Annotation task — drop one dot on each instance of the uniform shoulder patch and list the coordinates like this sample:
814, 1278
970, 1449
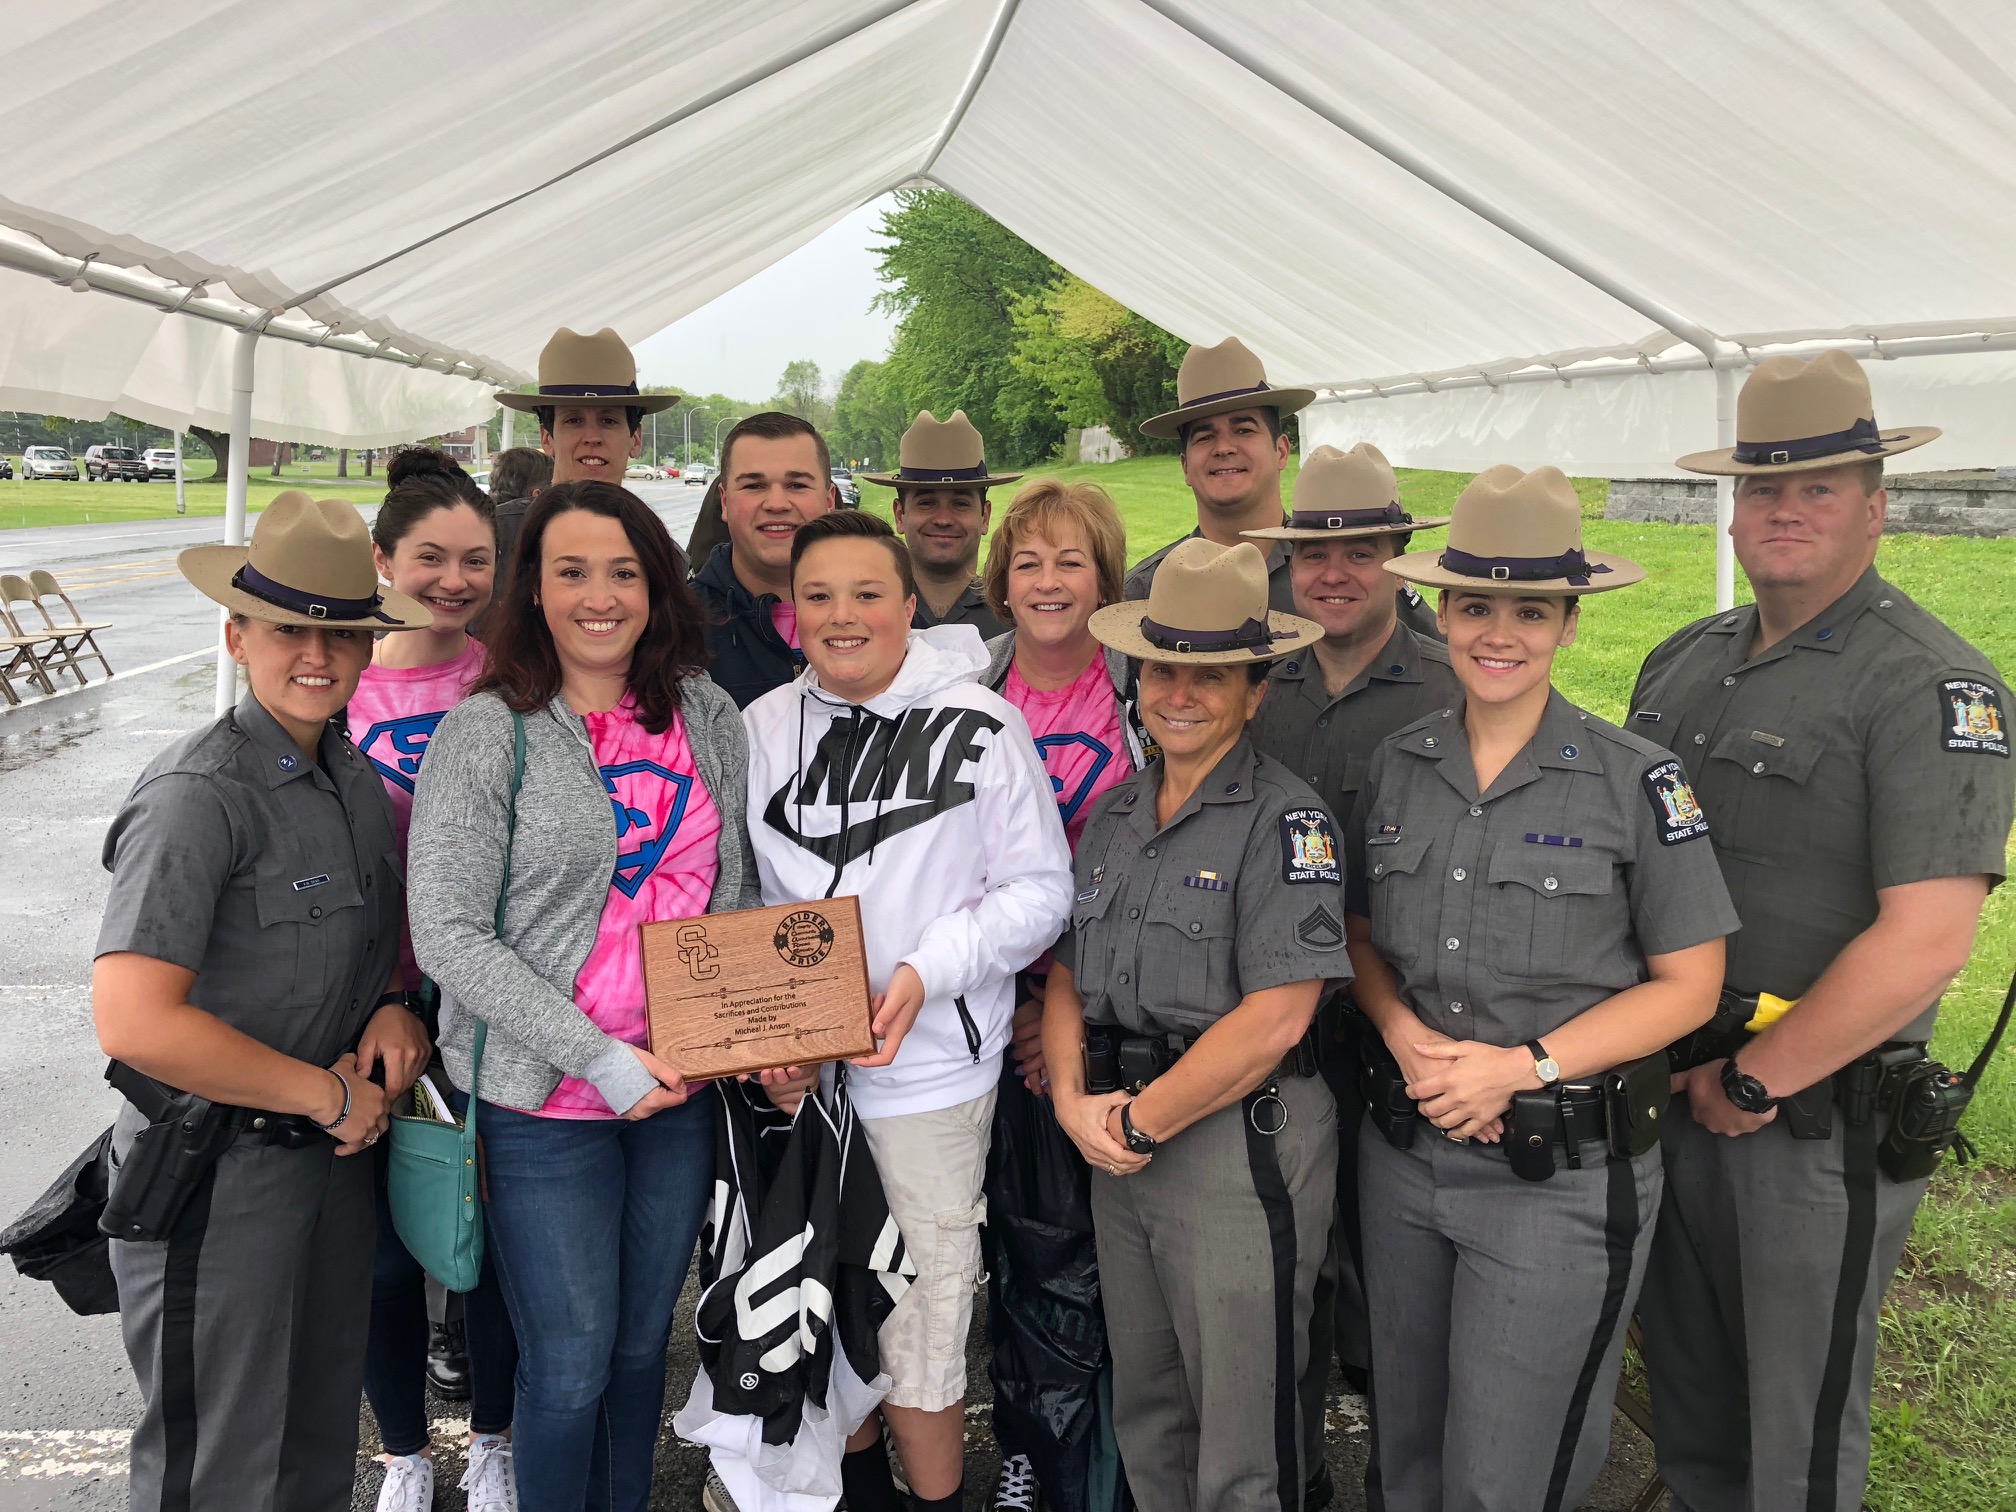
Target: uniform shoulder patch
1675, 809
1971, 717
1320, 929
1308, 847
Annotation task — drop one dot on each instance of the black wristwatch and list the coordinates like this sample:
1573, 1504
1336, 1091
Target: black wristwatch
1744, 1090
410, 1001
1139, 1143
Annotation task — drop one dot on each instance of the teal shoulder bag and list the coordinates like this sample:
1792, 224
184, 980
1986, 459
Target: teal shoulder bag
433, 1178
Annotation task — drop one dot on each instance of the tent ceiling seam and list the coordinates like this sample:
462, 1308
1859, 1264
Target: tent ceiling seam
974, 79
818, 43
1692, 332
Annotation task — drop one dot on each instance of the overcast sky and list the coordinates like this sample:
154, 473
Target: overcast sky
813, 304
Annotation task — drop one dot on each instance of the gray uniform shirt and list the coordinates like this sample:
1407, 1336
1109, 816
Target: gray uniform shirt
971, 609
1868, 749
1328, 742
1507, 914
1241, 891
275, 879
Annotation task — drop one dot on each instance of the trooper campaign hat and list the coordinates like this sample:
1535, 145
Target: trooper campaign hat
1343, 494
938, 453
1796, 415
1208, 603
1215, 380
309, 564
1520, 533
598, 369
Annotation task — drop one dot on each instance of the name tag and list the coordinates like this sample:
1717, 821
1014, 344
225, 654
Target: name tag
1766, 738
307, 882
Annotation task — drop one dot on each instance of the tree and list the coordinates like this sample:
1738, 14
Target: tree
219, 443
1100, 362
802, 392
954, 276
342, 461
868, 415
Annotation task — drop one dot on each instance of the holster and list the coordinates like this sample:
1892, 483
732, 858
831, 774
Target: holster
1719, 1038
168, 1160
1532, 1132
1102, 1058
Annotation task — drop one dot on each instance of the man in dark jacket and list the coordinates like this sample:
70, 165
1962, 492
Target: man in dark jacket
775, 475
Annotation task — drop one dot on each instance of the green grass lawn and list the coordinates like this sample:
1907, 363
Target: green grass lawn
1946, 1387
24, 504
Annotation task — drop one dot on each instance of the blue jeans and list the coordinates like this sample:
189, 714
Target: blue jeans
592, 1225
395, 1358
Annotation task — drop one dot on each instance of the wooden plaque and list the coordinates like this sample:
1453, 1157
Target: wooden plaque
783, 986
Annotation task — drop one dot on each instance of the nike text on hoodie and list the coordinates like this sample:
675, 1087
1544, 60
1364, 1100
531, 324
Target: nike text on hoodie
930, 804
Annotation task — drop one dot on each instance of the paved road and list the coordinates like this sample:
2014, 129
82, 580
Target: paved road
67, 1401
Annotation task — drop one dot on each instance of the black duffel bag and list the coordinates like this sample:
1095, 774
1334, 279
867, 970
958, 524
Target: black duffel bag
57, 1239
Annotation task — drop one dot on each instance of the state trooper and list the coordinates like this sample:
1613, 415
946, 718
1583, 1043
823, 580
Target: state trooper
1231, 424
1208, 922
1326, 711
246, 980
1535, 914
941, 511
1854, 753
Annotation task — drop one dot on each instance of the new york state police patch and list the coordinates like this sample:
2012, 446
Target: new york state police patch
1675, 808
1308, 848
1971, 717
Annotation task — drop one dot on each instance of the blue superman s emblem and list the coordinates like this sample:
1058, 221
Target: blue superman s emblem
650, 797
1100, 758
395, 746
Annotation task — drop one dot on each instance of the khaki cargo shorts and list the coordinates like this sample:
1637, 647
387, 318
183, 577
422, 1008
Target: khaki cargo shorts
932, 1165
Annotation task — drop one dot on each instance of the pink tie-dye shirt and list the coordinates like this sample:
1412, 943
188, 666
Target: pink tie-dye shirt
392, 716
667, 857
1080, 738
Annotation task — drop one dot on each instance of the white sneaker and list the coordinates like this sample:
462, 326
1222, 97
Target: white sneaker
1016, 1490
409, 1483
714, 1495
490, 1480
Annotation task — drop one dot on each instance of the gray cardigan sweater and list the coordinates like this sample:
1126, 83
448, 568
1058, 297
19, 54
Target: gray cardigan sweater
563, 856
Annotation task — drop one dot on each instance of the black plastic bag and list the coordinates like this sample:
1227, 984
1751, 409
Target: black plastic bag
1052, 1400
57, 1239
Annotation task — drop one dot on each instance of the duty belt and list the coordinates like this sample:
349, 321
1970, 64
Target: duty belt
155, 1103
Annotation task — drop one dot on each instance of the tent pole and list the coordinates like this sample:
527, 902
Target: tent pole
505, 416
242, 355
1695, 335
1725, 492
181, 493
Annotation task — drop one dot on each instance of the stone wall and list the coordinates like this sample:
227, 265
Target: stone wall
1957, 503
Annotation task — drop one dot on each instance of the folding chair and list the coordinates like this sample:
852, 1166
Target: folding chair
19, 661
43, 646
81, 633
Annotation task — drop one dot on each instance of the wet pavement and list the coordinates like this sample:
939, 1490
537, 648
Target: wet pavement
67, 1400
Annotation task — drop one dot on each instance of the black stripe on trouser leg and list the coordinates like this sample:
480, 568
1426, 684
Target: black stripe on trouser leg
1858, 1248
176, 1385
1279, 1209
1620, 1233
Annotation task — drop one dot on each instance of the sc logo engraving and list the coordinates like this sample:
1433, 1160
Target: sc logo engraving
697, 952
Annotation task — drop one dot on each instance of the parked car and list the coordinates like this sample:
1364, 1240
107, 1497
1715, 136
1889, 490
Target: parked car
640, 470
696, 472
109, 464
39, 462
160, 461
850, 491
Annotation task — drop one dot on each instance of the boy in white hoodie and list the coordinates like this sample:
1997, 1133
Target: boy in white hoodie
886, 771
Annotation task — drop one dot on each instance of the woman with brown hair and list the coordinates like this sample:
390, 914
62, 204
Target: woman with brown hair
629, 808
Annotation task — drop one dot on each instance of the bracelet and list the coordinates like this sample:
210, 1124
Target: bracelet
336, 1122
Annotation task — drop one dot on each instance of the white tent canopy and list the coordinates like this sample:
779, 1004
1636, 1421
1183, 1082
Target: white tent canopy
1375, 194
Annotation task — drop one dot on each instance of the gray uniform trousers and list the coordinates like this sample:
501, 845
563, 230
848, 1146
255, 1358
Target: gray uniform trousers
1207, 1263
246, 1330
1760, 1342
1337, 1322
1498, 1315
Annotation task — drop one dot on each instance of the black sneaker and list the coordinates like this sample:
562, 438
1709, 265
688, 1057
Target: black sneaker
1016, 1490
448, 1361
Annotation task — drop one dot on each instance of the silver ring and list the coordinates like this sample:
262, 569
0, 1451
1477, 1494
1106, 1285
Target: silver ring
1112, 1169
370, 1139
